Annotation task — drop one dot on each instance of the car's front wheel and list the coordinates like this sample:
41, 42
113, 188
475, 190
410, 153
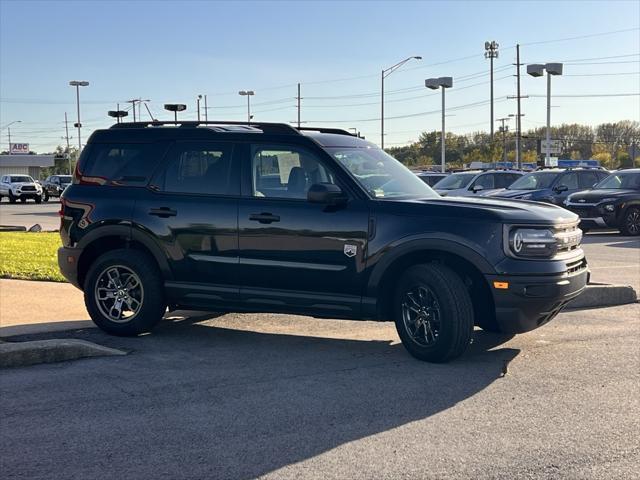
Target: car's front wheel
45, 196
433, 313
631, 222
12, 198
124, 293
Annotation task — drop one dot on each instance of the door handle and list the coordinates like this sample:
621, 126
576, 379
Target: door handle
163, 212
264, 217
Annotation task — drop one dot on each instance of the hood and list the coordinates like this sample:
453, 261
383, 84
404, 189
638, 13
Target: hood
595, 196
485, 208
506, 193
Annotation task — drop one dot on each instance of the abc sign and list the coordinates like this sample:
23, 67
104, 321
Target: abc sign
22, 148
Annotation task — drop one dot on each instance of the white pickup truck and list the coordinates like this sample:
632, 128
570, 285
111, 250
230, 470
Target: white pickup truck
20, 187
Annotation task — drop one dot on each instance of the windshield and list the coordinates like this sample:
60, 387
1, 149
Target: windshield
622, 180
455, 180
21, 179
534, 181
381, 175
65, 178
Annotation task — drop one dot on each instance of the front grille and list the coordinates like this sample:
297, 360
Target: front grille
568, 238
585, 212
28, 188
576, 266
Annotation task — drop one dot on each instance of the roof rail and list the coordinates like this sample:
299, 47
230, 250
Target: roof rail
266, 127
337, 131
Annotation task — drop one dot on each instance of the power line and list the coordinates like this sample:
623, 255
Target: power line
591, 35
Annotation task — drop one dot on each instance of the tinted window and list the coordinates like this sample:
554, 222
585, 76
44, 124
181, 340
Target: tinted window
122, 163
622, 180
21, 179
503, 180
485, 181
570, 180
587, 179
285, 172
200, 168
456, 180
534, 181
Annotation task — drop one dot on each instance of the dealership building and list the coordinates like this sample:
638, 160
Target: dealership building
25, 164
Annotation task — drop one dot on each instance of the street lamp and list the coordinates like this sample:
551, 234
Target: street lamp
385, 73
8, 127
434, 84
491, 52
175, 108
117, 114
199, 97
537, 70
248, 94
78, 84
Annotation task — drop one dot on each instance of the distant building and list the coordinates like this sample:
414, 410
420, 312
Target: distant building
25, 164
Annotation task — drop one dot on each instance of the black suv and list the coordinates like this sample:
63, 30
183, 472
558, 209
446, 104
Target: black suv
268, 218
54, 185
613, 203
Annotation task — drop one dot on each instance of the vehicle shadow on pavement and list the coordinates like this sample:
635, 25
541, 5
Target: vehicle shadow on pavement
202, 401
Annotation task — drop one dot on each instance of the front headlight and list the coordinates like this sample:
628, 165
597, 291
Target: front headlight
609, 208
532, 242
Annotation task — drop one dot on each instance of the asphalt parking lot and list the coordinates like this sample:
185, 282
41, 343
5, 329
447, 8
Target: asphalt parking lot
30, 213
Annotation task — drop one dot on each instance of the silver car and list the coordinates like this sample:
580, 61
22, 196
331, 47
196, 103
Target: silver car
476, 182
20, 187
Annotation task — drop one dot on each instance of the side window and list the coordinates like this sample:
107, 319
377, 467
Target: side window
587, 179
285, 172
503, 180
486, 181
199, 168
570, 180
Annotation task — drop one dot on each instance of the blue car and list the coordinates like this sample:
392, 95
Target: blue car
552, 185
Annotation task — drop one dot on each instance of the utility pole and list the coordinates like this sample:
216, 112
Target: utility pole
491, 52
519, 115
298, 99
504, 130
198, 105
66, 129
133, 102
206, 110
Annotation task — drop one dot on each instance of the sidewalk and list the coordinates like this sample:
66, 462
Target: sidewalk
25, 306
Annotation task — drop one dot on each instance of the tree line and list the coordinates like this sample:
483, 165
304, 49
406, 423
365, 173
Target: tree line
608, 143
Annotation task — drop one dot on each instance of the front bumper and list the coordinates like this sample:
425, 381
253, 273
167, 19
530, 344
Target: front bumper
68, 263
531, 301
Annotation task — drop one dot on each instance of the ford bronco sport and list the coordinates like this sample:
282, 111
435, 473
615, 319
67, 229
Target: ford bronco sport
225, 216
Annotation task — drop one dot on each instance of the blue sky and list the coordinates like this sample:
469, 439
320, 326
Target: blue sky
171, 51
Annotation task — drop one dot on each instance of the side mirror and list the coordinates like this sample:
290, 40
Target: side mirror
561, 188
326, 193
477, 188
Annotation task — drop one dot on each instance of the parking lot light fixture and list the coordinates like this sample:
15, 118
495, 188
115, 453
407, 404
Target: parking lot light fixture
385, 73
78, 84
537, 70
118, 114
248, 94
175, 108
434, 84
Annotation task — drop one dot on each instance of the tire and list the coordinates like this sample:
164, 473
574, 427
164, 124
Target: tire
12, 199
149, 293
443, 297
45, 196
38, 199
23, 199
631, 222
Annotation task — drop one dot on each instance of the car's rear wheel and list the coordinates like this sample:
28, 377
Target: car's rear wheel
631, 222
433, 313
124, 292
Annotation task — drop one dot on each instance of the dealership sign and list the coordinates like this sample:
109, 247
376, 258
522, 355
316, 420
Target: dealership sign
19, 148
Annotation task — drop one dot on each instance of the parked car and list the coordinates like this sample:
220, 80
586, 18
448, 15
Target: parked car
431, 178
20, 187
270, 218
612, 203
552, 185
54, 185
475, 182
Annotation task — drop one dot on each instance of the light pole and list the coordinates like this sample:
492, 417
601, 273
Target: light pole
537, 70
78, 84
8, 127
491, 52
248, 94
198, 102
434, 84
385, 73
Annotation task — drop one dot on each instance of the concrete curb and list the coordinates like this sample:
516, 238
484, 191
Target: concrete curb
19, 354
12, 228
604, 296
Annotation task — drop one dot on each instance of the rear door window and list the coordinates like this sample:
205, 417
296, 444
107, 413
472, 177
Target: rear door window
203, 168
570, 180
587, 179
120, 163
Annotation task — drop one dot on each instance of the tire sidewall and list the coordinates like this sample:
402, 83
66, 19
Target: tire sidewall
153, 302
626, 215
